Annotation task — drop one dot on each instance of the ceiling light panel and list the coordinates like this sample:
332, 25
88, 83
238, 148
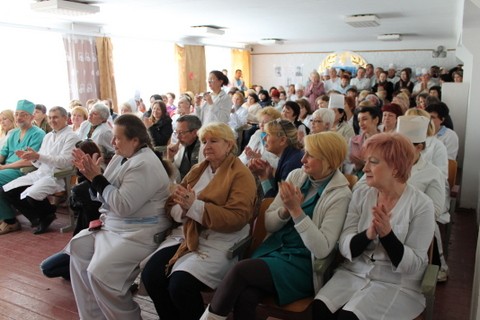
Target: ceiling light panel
363, 20
63, 7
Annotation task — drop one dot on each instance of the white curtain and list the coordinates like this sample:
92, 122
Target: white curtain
82, 63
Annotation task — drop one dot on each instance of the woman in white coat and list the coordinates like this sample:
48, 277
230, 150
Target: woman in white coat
133, 190
305, 221
385, 240
215, 106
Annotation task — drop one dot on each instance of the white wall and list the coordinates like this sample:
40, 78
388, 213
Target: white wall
264, 64
469, 52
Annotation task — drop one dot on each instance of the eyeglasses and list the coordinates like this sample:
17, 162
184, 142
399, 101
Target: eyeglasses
316, 121
279, 121
181, 133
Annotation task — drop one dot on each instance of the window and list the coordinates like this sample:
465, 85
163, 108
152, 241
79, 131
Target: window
143, 66
33, 67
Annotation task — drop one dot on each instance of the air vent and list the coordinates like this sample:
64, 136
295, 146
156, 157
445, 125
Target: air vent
389, 37
62, 7
271, 41
363, 20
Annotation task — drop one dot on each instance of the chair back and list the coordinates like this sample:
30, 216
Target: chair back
259, 233
352, 179
452, 173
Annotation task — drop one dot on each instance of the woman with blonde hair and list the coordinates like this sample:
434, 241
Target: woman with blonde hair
256, 145
304, 222
282, 140
77, 116
213, 204
7, 121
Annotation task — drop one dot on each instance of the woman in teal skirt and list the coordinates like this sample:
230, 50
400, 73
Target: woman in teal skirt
304, 222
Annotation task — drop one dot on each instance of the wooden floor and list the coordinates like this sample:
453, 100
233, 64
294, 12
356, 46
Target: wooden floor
26, 294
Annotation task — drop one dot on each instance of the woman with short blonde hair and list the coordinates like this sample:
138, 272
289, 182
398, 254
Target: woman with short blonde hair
213, 205
304, 223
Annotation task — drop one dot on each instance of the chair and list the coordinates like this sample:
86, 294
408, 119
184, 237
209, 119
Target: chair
68, 175
454, 192
352, 179
322, 267
429, 285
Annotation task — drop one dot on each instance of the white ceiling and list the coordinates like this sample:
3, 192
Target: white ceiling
301, 23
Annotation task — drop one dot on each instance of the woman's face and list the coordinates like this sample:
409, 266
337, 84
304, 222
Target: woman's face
457, 78
262, 96
303, 112
7, 124
275, 144
317, 125
437, 121
378, 173
77, 118
214, 83
382, 77
264, 119
122, 145
315, 78
250, 100
183, 107
323, 104
421, 103
403, 76
367, 123
389, 120
237, 100
315, 168
157, 111
125, 110
170, 100
215, 149
291, 89
287, 114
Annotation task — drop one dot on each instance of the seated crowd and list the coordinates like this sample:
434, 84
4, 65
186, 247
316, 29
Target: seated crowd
190, 177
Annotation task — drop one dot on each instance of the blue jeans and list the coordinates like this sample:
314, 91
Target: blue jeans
57, 265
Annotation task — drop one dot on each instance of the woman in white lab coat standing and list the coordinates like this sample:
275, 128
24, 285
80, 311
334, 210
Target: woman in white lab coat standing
385, 240
133, 190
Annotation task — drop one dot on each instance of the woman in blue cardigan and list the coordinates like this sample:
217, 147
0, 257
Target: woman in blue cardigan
281, 140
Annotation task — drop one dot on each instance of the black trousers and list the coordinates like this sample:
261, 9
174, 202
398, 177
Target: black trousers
242, 289
33, 210
321, 311
177, 296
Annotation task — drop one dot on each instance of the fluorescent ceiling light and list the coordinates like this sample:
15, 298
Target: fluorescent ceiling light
389, 37
363, 20
270, 41
64, 7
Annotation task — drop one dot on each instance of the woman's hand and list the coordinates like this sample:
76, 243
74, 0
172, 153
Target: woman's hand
381, 220
252, 154
148, 122
292, 198
261, 168
87, 165
208, 98
184, 197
